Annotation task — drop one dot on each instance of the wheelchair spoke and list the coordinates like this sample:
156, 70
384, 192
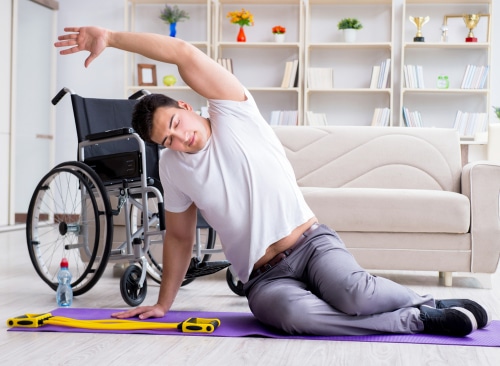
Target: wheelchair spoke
68, 217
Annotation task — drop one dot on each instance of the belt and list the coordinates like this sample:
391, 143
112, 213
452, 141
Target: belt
279, 257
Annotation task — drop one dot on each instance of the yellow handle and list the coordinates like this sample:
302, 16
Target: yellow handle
28, 320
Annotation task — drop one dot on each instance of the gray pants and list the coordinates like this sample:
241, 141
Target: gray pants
320, 289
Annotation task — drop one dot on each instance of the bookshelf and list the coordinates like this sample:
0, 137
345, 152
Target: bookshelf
440, 107
260, 62
144, 16
312, 39
352, 63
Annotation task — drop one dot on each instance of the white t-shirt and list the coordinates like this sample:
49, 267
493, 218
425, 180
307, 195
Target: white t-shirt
241, 182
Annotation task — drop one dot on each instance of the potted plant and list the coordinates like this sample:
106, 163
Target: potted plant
279, 33
171, 15
349, 26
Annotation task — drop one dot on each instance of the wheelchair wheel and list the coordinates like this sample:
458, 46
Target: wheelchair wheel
132, 294
70, 217
234, 283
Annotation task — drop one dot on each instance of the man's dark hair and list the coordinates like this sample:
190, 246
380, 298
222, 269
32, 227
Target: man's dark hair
144, 110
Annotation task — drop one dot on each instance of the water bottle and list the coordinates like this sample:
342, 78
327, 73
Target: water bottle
64, 294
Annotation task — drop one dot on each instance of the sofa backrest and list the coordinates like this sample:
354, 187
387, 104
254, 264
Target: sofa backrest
373, 157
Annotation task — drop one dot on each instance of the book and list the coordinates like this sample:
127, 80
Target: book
468, 124
376, 116
414, 76
293, 74
420, 77
381, 117
412, 118
315, 119
375, 76
226, 63
385, 67
285, 82
284, 117
320, 78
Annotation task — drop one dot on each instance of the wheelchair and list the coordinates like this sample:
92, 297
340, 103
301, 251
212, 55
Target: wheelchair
73, 207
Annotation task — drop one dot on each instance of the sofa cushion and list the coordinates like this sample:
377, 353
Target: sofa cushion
389, 210
373, 157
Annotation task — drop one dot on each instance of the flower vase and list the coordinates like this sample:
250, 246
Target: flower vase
173, 30
241, 35
279, 37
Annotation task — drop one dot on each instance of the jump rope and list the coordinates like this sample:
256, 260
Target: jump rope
191, 325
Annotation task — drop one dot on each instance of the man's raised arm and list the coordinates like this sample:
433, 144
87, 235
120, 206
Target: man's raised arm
200, 72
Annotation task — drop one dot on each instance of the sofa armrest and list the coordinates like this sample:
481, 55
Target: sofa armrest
481, 184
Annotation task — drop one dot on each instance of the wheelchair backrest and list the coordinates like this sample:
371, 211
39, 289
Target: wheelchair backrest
94, 115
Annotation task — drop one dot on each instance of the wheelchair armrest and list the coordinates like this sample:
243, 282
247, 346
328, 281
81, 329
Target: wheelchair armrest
110, 133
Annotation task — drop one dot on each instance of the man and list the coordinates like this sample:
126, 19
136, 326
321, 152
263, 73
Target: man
298, 275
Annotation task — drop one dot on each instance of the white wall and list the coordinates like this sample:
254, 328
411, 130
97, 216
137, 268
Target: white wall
102, 79
5, 70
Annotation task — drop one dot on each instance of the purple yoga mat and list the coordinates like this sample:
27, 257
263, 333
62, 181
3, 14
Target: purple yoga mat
245, 325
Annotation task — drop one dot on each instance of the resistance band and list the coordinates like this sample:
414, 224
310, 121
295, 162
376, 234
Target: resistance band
191, 325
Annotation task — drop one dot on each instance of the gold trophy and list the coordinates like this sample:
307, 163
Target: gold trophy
471, 21
419, 22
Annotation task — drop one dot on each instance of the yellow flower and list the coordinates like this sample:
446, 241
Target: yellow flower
242, 17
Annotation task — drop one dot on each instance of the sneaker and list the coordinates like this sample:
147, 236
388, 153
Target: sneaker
479, 312
456, 322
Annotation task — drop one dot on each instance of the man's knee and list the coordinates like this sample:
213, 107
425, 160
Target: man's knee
360, 288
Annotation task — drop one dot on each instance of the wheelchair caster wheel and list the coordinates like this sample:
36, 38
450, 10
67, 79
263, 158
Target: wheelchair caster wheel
234, 283
132, 294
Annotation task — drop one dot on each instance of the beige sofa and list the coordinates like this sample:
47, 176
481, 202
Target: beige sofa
399, 197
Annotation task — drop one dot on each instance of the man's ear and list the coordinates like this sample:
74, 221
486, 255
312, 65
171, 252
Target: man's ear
184, 105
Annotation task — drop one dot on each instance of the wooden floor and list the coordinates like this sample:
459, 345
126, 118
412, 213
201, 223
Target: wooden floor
24, 292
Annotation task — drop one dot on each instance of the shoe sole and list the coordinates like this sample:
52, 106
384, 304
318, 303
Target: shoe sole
483, 316
469, 315
464, 315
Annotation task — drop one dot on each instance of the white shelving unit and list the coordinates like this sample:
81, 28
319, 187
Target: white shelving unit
350, 101
144, 16
438, 107
313, 39
259, 63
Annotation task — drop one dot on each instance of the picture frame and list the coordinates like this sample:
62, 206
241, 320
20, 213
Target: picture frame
146, 75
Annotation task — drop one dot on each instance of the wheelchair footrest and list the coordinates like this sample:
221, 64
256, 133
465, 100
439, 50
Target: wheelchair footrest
199, 269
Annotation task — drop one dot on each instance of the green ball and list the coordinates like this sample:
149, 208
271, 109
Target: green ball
169, 80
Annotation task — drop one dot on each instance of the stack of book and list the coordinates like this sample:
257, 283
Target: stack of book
469, 124
413, 76
280, 118
320, 78
380, 75
412, 119
315, 119
291, 74
227, 63
381, 117
475, 77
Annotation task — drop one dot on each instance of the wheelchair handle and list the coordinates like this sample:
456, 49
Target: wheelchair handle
139, 94
61, 94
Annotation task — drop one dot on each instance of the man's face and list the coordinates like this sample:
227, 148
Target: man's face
180, 129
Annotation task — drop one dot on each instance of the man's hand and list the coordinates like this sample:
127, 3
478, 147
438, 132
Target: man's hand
92, 39
144, 312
